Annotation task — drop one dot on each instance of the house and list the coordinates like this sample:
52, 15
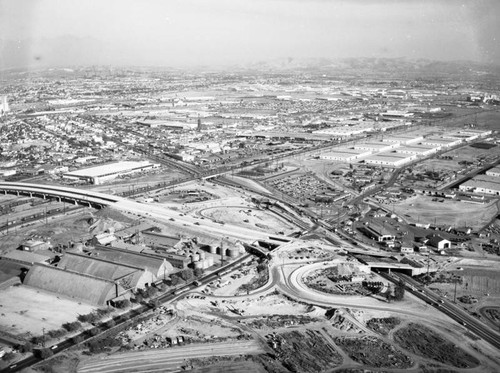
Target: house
406, 249
438, 242
103, 238
33, 245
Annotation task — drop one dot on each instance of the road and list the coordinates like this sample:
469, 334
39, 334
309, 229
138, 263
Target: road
168, 359
133, 313
447, 307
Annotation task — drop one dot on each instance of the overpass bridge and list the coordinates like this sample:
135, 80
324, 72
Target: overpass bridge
96, 199
78, 196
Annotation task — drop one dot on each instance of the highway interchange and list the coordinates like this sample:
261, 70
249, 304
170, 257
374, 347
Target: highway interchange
289, 284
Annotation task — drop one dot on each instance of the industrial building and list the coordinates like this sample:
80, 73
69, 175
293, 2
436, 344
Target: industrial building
483, 184
4, 105
99, 174
417, 149
441, 142
403, 139
376, 146
81, 287
391, 159
494, 172
378, 233
155, 264
129, 277
345, 154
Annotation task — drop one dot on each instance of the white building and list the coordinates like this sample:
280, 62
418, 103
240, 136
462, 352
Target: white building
100, 174
495, 171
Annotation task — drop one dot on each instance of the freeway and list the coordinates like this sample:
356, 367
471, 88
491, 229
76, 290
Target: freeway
447, 307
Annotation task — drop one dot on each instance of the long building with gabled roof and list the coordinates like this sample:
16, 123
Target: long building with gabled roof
74, 285
130, 277
156, 265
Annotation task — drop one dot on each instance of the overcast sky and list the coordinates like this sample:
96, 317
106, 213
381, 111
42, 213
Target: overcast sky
226, 32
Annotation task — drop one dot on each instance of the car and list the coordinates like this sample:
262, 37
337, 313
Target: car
54, 347
463, 323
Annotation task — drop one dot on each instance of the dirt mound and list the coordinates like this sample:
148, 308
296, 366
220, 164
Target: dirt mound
111, 214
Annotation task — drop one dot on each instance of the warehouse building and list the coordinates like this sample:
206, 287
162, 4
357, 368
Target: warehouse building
494, 172
74, 285
403, 139
391, 159
154, 264
417, 149
376, 146
100, 174
482, 184
345, 154
129, 277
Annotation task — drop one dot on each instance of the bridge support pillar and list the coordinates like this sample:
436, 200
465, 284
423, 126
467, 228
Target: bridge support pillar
17, 194
59, 199
31, 195
44, 196
90, 205
76, 202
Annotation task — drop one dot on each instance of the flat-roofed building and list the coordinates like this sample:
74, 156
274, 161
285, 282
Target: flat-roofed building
441, 142
403, 139
495, 171
344, 154
417, 149
483, 184
376, 146
391, 159
74, 285
99, 174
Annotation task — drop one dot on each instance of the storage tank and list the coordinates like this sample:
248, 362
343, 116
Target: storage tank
233, 252
210, 261
213, 249
196, 257
198, 265
202, 254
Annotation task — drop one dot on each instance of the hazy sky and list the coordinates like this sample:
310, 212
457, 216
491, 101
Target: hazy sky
225, 32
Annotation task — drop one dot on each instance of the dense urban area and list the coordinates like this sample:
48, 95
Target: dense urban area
329, 217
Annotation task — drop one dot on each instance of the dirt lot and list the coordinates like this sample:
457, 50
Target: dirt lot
373, 352
424, 342
458, 214
25, 309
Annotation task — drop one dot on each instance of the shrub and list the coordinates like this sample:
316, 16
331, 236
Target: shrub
72, 326
94, 331
110, 323
43, 353
9, 356
77, 339
56, 333
27, 347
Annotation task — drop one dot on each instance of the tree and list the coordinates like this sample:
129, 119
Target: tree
27, 347
43, 353
399, 291
198, 272
186, 274
174, 280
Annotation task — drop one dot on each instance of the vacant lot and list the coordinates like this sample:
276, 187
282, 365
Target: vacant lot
449, 212
374, 352
26, 309
423, 341
305, 352
384, 325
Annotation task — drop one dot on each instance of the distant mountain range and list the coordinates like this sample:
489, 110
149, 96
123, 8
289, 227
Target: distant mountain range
68, 51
